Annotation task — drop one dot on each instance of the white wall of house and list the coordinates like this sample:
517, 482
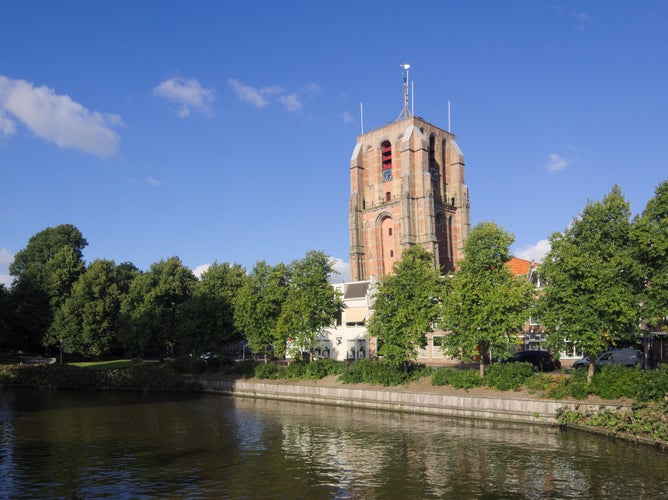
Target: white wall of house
347, 339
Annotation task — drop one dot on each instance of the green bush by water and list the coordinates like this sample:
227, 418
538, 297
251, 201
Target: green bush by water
459, 379
371, 371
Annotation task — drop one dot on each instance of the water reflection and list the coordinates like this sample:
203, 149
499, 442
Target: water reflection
88, 445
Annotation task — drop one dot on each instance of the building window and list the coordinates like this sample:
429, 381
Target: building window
386, 161
388, 196
391, 253
389, 232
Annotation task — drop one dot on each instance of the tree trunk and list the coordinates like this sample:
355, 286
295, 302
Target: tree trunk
482, 367
591, 369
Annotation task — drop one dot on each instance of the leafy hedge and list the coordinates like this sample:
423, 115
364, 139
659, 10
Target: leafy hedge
459, 379
380, 372
502, 377
153, 376
611, 382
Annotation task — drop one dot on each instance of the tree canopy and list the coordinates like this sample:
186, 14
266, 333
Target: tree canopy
206, 320
151, 307
311, 303
406, 303
259, 304
43, 273
591, 280
650, 240
486, 305
88, 322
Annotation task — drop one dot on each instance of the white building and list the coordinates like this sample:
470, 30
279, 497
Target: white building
347, 339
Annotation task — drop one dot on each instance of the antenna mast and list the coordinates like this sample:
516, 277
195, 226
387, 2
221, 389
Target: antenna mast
405, 112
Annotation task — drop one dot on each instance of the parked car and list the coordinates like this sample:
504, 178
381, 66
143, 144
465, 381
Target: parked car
541, 360
582, 363
624, 357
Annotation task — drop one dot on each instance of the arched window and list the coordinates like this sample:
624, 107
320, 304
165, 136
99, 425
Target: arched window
386, 160
388, 196
389, 232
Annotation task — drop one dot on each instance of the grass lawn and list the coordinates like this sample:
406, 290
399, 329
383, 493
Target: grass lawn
108, 365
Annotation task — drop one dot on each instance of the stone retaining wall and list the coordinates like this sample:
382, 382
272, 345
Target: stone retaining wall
494, 408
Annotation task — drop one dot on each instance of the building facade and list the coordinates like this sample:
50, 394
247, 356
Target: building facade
406, 188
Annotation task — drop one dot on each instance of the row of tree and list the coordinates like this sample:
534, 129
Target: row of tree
108, 309
605, 280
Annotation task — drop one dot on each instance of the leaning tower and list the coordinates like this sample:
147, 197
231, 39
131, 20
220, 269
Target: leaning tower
406, 188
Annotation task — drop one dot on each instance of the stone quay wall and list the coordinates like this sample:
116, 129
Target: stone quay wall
535, 411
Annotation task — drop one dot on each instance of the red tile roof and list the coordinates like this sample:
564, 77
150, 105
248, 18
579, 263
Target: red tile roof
520, 267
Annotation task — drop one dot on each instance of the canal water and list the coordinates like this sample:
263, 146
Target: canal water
131, 445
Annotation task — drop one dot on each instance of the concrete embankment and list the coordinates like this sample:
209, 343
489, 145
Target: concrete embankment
536, 411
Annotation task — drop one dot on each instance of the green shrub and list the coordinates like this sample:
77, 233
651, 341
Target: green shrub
507, 376
189, 365
143, 376
270, 371
245, 369
314, 370
643, 419
614, 382
654, 385
372, 371
460, 379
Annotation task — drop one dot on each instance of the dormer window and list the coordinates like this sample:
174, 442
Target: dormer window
386, 161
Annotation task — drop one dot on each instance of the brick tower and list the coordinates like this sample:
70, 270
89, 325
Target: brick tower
406, 188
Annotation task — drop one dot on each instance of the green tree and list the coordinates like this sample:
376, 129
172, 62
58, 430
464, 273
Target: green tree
151, 308
88, 321
259, 304
486, 304
5, 329
43, 273
311, 303
591, 280
406, 304
206, 321
650, 240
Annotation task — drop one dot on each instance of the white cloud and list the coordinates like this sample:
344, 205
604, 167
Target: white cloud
57, 118
535, 252
347, 118
261, 97
151, 181
557, 163
256, 97
6, 258
343, 268
291, 102
187, 94
7, 126
200, 270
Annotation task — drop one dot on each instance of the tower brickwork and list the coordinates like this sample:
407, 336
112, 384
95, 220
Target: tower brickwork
406, 188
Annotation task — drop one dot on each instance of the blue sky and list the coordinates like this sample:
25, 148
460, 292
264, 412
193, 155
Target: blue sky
222, 131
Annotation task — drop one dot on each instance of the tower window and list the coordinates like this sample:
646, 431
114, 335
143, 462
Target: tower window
386, 160
389, 232
388, 196
391, 253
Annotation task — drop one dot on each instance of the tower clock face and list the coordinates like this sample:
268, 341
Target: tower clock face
387, 175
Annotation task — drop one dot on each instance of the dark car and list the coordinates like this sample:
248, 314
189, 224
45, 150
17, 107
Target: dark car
541, 360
